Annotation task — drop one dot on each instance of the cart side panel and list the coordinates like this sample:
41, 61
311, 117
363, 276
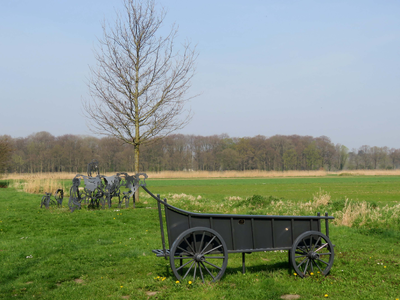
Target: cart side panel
263, 233
301, 226
243, 238
176, 224
224, 228
316, 225
200, 222
282, 233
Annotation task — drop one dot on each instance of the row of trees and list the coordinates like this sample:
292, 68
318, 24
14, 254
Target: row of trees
43, 152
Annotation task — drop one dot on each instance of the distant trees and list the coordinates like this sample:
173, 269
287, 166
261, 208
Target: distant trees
5, 152
43, 152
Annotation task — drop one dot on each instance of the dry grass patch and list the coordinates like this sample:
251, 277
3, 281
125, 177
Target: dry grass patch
213, 174
178, 174
368, 173
39, 186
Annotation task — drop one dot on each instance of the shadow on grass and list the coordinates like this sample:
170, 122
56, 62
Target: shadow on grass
269, 268
264, 268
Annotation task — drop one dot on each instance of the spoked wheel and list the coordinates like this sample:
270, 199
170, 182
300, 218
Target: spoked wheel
199, 253
312, 252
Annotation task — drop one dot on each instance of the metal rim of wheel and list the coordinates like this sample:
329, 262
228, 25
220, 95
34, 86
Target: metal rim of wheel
312, 252
206, 258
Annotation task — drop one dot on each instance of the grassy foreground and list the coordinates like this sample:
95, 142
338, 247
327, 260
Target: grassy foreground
106, 254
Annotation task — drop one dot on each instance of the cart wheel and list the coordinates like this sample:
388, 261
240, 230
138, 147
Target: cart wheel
312, 252
200, 252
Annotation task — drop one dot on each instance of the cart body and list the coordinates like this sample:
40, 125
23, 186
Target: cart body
245, 234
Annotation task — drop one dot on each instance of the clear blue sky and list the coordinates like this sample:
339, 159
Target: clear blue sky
265, 67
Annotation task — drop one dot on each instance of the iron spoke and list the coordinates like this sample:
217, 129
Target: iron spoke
318, 267
323, 246
302, 262
302, 251
207, 270
215, 257
183, 257
189, 245
300, 256
305, 269
212, 265
188, 252
184, 264
201, 273
315, 245
208, 244
201, 243
212, 249
323, 261
189, 269
194, 243
195, 269
327, 253
305, 245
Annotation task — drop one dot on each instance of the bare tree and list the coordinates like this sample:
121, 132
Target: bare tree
139, 87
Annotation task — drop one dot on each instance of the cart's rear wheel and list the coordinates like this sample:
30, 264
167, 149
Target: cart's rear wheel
199, 253
312, 252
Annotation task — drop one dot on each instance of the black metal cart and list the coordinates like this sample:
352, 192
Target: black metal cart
199, 243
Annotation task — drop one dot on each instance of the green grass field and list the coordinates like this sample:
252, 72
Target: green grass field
106, 254
365, 188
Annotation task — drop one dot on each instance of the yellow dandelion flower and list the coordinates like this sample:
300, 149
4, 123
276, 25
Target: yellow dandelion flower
318, 272
190, 282
164, 278
121, 286
326, 295
384, 267
311, 273
295, 274
177, 281
114, 218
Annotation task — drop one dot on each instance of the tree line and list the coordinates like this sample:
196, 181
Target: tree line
43, 152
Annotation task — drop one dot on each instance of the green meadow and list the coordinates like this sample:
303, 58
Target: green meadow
384, 189
106, 254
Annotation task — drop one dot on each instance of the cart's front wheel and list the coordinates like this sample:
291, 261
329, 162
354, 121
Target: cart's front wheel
312, 252
199, 252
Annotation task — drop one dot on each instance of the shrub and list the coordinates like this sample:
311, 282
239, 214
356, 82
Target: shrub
256, 202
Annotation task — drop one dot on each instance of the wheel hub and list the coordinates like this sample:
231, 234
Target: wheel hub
199, 257
313, 255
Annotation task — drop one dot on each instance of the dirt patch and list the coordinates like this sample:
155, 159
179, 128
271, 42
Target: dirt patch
151, 293
78, 280
126, 297
28, 282
290, 297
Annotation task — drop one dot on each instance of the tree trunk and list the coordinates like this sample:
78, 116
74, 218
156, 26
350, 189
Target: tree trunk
137, 170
